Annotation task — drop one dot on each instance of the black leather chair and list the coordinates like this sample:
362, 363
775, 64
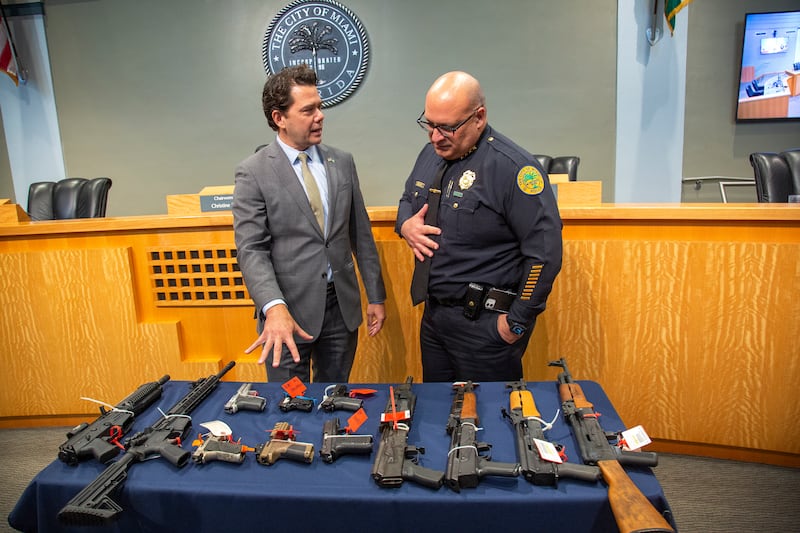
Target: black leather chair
543, 160
777, 175
68, 198
564, 164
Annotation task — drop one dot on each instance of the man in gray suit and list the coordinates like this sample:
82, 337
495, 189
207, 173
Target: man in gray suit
299, 220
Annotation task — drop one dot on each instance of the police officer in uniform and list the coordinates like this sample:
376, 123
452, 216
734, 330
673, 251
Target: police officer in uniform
480, 215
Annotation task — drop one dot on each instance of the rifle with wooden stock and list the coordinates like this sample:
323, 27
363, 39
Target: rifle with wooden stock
632, 510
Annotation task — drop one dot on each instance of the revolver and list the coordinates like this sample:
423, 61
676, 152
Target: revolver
246, 400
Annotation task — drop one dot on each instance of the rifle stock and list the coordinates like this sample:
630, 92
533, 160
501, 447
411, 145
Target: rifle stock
632, 510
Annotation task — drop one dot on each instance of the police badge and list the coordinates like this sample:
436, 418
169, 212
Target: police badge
466, 180
326, 36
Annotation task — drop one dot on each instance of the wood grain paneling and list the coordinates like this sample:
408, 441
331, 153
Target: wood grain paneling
686, 314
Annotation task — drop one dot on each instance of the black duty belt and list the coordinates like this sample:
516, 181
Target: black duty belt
479, 297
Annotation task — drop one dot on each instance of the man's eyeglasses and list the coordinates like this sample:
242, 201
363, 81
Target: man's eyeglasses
445, 131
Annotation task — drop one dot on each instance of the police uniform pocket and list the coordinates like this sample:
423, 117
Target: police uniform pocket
462, 213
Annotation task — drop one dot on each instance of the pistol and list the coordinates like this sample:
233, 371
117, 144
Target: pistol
297, 403
283, 445
245, 399
340, 398
336, 442
219, 449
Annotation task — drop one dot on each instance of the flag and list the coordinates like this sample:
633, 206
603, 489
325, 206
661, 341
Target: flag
671, 8
8, 63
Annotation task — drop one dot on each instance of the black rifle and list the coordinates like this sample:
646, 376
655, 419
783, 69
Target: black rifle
396, 460
94, 505
337, 442
632, 510
96, 439
469, 460
527, 426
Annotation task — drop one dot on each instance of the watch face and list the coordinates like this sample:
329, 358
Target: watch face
325, 35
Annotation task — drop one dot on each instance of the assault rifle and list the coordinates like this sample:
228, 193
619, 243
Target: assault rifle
469, 460
93, 505
527, 425
396, 460
100, 438
632, 510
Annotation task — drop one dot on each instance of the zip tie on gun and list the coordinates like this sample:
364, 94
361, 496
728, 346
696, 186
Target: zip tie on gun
546, 426
473, 447
165, 415
107, 405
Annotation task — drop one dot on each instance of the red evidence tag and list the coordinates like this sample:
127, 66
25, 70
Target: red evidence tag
294, 387
362, 392
355, 421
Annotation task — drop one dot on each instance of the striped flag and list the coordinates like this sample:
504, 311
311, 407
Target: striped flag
671, 8
8, 63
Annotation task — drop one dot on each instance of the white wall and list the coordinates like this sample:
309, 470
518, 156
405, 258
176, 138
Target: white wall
651, 96
29, 112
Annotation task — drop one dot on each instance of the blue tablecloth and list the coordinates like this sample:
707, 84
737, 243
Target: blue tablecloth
291, 496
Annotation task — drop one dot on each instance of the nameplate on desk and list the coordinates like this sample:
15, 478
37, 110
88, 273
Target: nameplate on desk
216, 202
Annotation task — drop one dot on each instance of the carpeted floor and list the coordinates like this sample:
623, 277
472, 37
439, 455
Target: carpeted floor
706, 495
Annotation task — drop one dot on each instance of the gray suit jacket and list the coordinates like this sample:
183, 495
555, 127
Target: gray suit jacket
281, 251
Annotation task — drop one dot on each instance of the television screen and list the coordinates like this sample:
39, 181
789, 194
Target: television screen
769, 81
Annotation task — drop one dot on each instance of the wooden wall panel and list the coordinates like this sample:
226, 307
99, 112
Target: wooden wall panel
687, 316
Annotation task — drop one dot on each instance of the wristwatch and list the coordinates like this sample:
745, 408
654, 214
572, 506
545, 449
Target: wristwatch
517, 328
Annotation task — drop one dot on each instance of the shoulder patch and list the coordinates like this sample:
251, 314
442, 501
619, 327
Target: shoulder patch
529, 180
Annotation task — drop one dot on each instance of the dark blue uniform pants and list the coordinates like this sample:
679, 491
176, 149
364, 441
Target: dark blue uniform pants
457, 349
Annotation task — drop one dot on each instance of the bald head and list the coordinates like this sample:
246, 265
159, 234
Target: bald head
455, 89
454, 99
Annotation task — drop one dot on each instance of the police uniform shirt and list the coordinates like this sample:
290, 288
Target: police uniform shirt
499, 220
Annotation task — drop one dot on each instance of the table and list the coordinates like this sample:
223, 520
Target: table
319, 496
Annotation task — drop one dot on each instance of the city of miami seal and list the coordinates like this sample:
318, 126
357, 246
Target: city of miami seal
326, 36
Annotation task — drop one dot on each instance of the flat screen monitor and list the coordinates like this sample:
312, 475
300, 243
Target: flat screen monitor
769, 80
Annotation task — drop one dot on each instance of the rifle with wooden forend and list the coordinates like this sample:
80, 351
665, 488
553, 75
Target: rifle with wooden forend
632, 510
525, 418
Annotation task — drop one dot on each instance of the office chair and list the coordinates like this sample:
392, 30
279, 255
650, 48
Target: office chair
566, 164
543, 160
68, 198
775, 178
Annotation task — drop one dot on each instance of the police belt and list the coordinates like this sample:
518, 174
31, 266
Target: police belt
492, 299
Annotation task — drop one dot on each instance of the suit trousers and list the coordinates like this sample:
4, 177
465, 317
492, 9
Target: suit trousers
455, 348
330, 355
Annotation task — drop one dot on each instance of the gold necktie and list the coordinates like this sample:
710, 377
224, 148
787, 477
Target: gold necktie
314, 197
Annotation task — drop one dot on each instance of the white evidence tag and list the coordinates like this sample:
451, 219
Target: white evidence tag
547, 451
635, 438
218, 428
